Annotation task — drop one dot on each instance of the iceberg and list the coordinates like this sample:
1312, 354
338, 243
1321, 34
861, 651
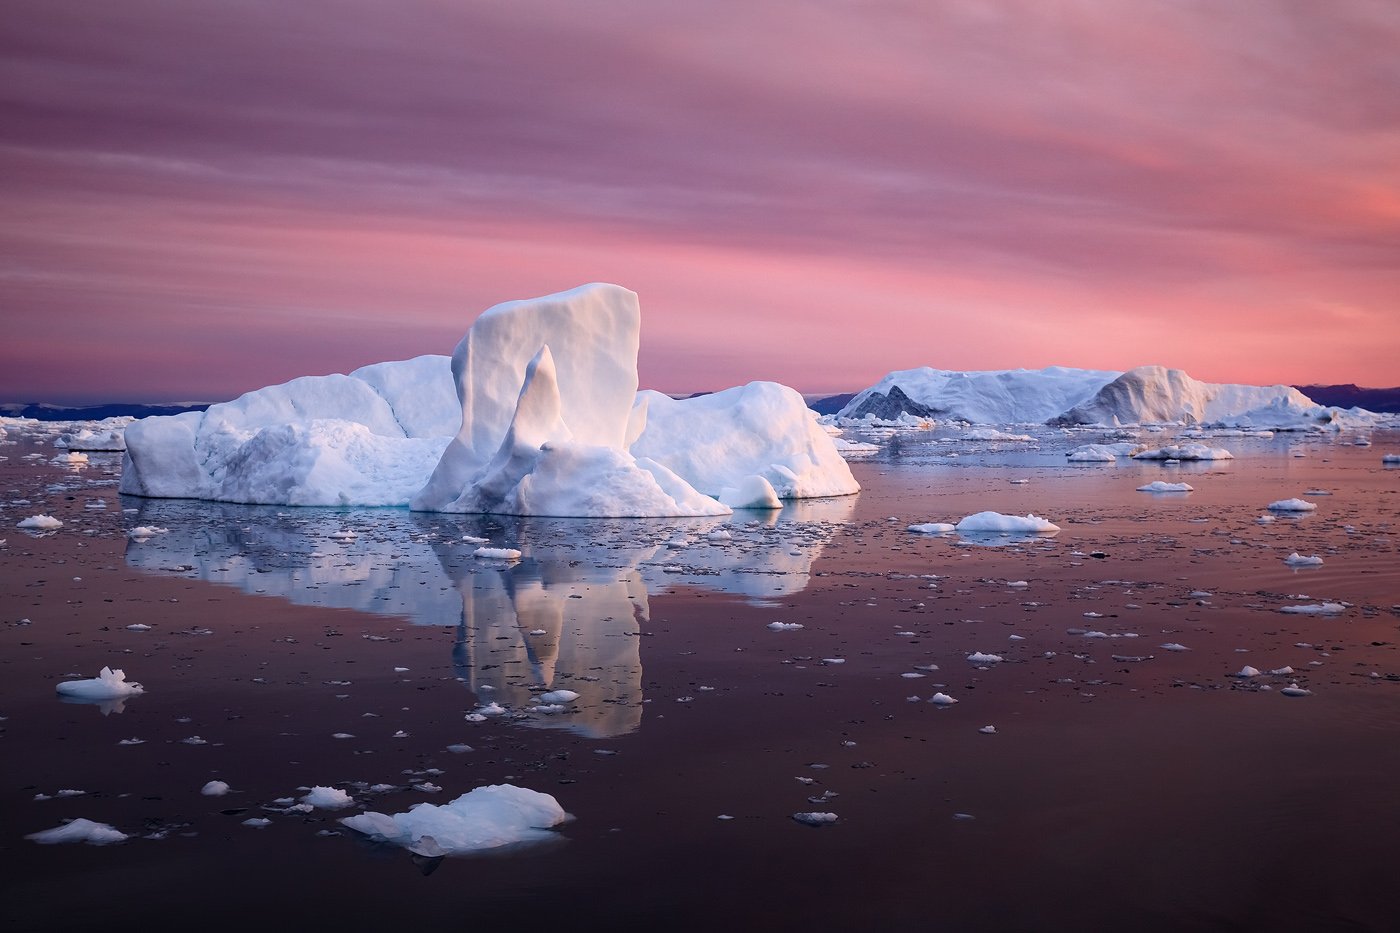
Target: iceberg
1008, 396
997, 523
536, 413
1155, 394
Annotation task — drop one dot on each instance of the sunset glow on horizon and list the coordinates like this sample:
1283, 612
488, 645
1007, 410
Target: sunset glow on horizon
203, 198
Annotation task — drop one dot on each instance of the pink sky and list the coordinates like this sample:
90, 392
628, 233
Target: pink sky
200, 198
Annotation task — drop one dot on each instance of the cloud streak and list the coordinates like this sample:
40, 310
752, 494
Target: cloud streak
979, 184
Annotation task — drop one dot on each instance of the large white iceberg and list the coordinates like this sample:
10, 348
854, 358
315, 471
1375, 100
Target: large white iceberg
536, 413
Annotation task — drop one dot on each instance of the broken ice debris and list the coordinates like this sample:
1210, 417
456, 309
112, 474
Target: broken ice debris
1314, 609
941, 699
1298, 560
40, 523
1293, 690
1159, 486
815, 818
1292, 505
932, 528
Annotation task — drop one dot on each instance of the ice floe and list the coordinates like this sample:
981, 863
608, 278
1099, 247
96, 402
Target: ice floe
997, 523
80, 830
109, 684
1159, 486
486, 818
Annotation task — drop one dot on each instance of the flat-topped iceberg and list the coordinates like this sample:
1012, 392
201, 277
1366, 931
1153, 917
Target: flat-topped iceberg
536, 413
1158, 394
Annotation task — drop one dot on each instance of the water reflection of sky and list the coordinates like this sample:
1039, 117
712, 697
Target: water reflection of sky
565, 616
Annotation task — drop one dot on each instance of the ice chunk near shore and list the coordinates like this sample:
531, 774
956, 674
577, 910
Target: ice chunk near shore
483, 819
1292, 505
1159, 486
107, 685
997, 523
80, 830
1298, 560
40, 523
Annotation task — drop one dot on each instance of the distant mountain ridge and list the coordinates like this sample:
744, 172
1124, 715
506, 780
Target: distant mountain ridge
1353, 396
40, 411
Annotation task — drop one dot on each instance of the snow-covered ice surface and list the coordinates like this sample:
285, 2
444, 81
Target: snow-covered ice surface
536, 413
628, 670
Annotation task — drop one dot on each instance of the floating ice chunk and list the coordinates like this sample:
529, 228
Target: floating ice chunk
1265, 520
997, 523
107, 685
1247, 671
932, 528
80, 830
988, 730
1293, 690
257, 822
40, 523
559, 696
496, 553
1282, 671
1292, 505
941, 699
1159, 486
784, 626
1173, 646
978, 657
1390, 458
138, 627
482, 819
1185, 452
815, 818
328, 798
142, 532
1298, 560
1315, 609
214, 789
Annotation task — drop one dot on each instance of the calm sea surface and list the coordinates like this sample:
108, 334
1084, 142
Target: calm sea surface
1127, 785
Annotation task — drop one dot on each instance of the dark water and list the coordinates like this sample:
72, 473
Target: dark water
1127, 786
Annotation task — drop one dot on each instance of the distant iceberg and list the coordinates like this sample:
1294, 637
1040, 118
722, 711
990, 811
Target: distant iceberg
1065, 397
536, 413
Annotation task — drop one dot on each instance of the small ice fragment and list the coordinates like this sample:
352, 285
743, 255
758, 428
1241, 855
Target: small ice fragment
1282, 671
1292, 505
1314, 609
941, 699
1159, 486
814, 818
1298, 560
109, 684
142, 532
214, 789
1173, 646
980, 657
473, 539
138, 627
132, 741
194, 740
496, 553
559, 696
80, 830
1293, 690
932, 528
40, 523
328, 798
988, 730
784, 626
1247, 671
257, 822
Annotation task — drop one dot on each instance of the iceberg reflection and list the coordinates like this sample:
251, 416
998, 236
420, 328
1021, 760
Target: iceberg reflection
567, 615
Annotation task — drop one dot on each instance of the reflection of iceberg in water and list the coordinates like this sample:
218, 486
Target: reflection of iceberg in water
566, 616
